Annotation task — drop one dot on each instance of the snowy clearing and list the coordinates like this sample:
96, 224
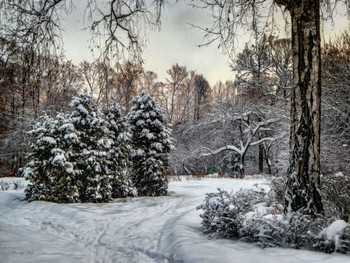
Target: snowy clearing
143, 229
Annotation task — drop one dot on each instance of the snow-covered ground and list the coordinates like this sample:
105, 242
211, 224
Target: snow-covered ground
155, 229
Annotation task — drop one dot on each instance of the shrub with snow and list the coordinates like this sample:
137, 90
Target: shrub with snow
256, 215
151, 146
335, 191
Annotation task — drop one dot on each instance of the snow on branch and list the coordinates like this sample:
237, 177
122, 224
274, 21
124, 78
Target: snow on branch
267, 139
217, 151
253, 124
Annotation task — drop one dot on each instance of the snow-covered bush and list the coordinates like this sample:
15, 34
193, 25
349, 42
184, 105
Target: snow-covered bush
335, 191
225, 214
255, 215
222, 213
12, 184
119, 154
151, 146
278, 186
68, 158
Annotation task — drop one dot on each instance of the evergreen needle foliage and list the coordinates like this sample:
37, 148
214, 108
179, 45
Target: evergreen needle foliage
151, 143
76, 158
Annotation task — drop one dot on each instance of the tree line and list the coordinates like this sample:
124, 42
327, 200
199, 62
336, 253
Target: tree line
262, 85
261, 90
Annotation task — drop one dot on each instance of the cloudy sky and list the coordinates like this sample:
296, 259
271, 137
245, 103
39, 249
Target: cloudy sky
177, 42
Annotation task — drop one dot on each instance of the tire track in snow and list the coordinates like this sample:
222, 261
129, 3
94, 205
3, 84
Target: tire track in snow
141, 229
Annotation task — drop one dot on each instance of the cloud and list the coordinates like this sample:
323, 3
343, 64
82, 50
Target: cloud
177, 42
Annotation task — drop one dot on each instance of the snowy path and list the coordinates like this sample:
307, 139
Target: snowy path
160, 229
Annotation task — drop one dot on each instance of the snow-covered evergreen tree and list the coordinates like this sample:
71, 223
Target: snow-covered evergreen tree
68, 159
118, 161
91, 152
151, 146
50, 171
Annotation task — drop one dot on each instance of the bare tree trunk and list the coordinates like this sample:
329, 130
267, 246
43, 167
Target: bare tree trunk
241, 166
242, 153
266, 150
302, 192
261, 157
261, 153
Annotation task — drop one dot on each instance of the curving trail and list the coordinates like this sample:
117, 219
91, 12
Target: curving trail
144, 229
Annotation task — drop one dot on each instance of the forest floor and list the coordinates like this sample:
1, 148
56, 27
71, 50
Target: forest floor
142, 229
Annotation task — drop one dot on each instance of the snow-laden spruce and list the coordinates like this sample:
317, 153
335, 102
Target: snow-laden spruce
119, 153
50, 170
91, 152
85, 156
151, 146
69, 156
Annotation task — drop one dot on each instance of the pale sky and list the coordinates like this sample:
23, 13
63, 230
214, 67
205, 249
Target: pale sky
177, 42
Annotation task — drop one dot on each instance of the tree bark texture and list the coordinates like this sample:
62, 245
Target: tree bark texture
302, 192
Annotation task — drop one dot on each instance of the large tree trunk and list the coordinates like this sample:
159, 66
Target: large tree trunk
302, 192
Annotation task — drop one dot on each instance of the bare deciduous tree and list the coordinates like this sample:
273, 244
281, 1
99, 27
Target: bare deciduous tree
281, 58
247, 125
335, 134
176, 87
202, 95
128, 75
